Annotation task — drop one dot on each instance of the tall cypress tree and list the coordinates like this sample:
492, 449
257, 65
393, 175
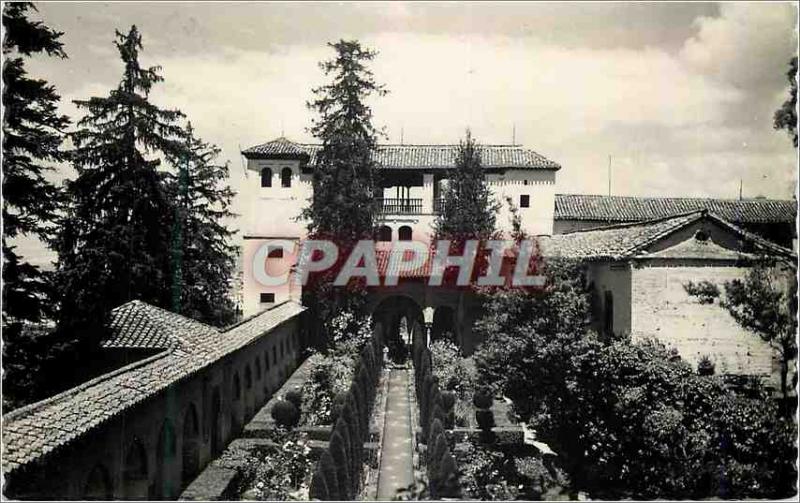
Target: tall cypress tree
203, 261
469, 211
345, 173
115, 242
33, 133
343, 207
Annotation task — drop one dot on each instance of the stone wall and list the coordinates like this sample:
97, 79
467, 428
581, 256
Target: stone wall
661, 308
158, 447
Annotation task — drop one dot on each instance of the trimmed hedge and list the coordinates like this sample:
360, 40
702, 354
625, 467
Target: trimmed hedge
341, 466
435, 412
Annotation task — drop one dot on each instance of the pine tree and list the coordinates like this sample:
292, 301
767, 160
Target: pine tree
203, 258
345, 173
115, 241
343, 207
468, 209
33, 134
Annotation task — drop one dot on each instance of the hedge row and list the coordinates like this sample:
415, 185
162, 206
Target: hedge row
435, 414
337, 475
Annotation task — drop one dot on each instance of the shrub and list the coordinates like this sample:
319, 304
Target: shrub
485, 419
447, 485
285, 414
318, 490
452, 369
328, 470
482, 398
705, 367
295, 396
341, 462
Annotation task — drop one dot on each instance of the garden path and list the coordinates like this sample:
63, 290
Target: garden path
397, 467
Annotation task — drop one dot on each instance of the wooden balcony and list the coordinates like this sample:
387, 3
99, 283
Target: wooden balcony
399, 206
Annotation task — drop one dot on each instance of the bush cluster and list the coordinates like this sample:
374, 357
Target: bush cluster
629, 420
337, 475
435, 409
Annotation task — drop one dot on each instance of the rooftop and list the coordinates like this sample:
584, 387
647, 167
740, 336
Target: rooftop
630, 209
412, 157
38, 429
630, 240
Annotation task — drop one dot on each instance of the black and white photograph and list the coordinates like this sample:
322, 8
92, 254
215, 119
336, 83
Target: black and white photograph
395, 251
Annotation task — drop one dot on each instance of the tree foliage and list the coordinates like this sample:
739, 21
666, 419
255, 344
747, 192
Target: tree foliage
786, 116
468, 209
32, 143
343, 207
203, 260
764, 303
345, 172
628, 419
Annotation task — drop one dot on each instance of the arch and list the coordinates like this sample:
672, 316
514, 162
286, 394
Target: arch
390, 312
286, 177
266, 177
443, 325
237, 386
134, 472
404, 233
98, 484
384, 233
165, 460
190, 451
216, 422
248, 377
258, 368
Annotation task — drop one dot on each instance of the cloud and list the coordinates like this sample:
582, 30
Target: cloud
748, 45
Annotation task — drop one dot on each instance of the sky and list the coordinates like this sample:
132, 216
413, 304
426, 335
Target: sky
680, 96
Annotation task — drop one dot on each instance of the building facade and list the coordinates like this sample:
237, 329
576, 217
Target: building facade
280, 185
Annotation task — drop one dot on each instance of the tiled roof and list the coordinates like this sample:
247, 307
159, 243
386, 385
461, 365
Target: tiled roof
36, 430
137, 324
629, 240
414, 156
400, 270
631, 209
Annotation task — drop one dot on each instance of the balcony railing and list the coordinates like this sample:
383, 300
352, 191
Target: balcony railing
438, 205
399, 206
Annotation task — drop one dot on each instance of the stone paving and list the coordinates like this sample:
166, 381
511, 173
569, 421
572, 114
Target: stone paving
397, 469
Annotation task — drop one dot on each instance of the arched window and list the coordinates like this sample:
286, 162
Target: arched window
134, 472
190, 453
286, 177
266, 177
98, 484
165, 460
384, 233
258, 368
237, 387
404, 233
248, 378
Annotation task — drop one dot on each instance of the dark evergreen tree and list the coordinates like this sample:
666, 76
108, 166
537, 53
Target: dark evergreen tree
345, 177
203, 261
115, 240
32, 137
786, 115
468, 209
345, 173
